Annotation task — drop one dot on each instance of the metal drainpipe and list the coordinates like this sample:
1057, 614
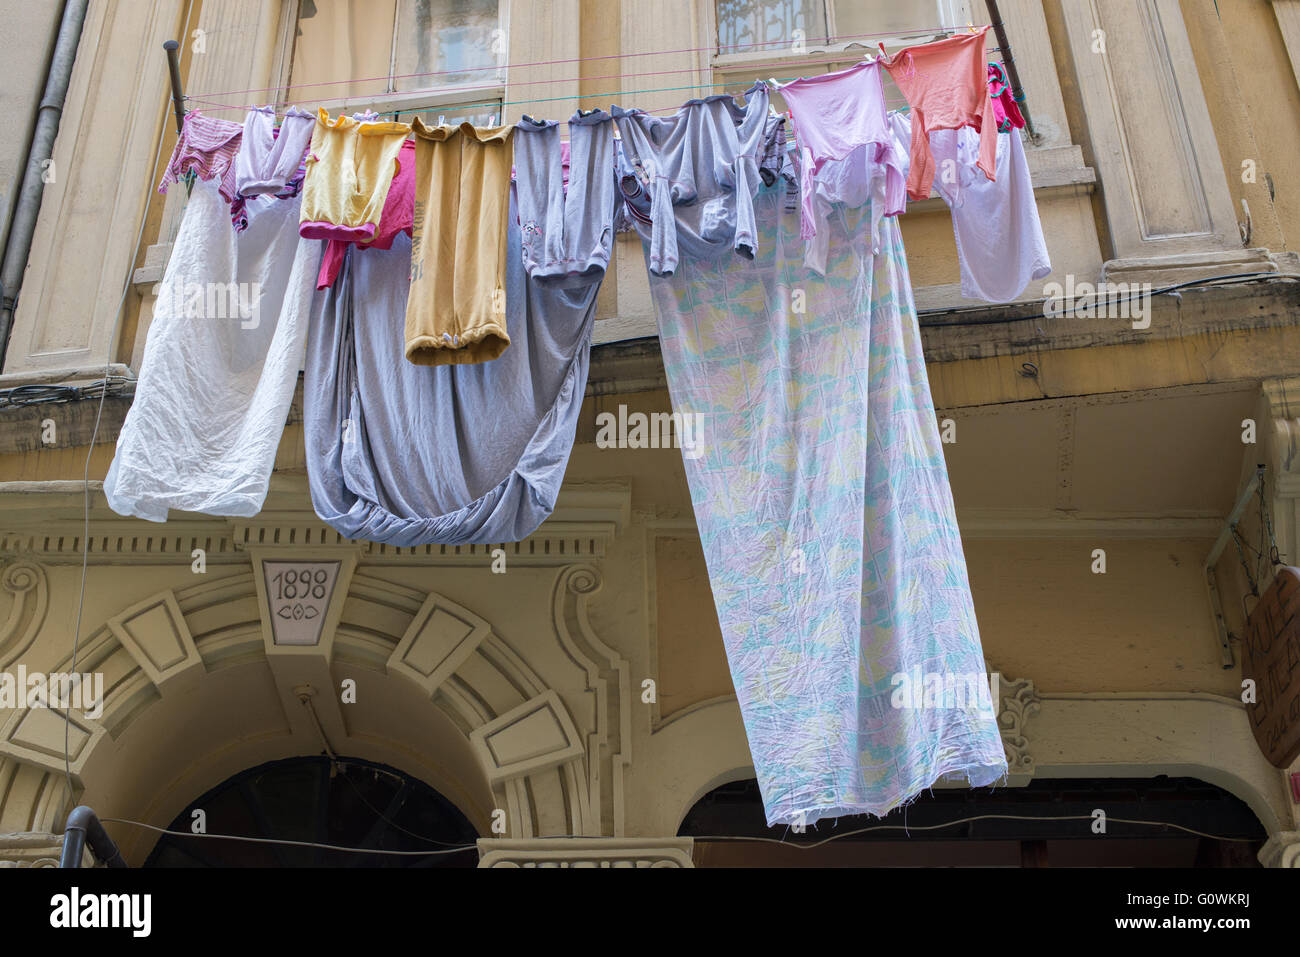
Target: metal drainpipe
84, 828
23, 226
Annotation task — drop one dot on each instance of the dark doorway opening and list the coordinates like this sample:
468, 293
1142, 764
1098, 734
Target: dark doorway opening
345, 802
1048, 823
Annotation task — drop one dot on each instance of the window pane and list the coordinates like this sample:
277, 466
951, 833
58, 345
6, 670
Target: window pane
341, 39
458, 41
480, 114
889, 18
764, 25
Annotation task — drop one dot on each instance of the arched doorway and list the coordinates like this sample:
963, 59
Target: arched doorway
1161, 821
345, 802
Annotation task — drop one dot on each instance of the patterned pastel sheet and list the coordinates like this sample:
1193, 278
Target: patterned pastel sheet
826, 518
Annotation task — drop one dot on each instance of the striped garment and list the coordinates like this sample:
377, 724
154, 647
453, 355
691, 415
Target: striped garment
207, 147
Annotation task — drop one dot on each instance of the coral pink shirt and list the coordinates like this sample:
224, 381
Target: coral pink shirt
946, 85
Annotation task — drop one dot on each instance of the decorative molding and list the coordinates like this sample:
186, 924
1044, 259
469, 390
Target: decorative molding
1018, 702
1166, 270
298, 594
587, 852
533, 753
537, 735
46, 523
992, 523
441, 637
72, 376
1282, 849
281, 641
35, 849
27, 583
155, 634
36, 736
609, 746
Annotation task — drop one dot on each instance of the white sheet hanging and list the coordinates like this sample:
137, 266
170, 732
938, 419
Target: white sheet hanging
220, 364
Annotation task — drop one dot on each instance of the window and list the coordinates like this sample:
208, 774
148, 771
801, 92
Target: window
747, 25
441, 60
790, 38
747, 28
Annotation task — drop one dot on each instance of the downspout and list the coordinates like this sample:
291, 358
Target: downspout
85, 828
23, 227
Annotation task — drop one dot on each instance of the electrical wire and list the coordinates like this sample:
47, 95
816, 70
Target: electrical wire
802, 60
1229, 280
845, 38
798, 845
287, 843
378, 813
44, 394
979, 817
613, 95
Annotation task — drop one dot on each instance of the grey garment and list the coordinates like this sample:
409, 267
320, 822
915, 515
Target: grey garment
699, 170
268, 160
567, 237
774, 148
454, 455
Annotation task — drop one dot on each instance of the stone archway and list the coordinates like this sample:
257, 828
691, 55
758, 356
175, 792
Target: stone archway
196, 688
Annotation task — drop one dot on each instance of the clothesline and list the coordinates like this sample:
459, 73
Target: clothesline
917, 32
895, 102
581, 96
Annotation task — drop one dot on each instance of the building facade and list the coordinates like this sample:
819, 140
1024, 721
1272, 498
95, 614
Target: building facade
565, 700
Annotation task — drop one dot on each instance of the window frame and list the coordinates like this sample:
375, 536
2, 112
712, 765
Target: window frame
950, 12
489, 90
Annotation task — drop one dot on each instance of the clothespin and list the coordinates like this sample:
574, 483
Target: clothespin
883, 55
970, 26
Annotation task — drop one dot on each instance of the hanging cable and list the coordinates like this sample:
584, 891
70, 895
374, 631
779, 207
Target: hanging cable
798, 845
845, 38
1266, 520
287, 843
1245, 566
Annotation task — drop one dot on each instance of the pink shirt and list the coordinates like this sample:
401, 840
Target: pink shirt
834, 115
208, 147
946, 85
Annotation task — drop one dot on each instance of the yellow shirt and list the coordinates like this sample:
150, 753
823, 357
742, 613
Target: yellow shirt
350, 167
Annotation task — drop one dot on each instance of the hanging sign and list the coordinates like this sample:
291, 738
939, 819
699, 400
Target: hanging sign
1271, 659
